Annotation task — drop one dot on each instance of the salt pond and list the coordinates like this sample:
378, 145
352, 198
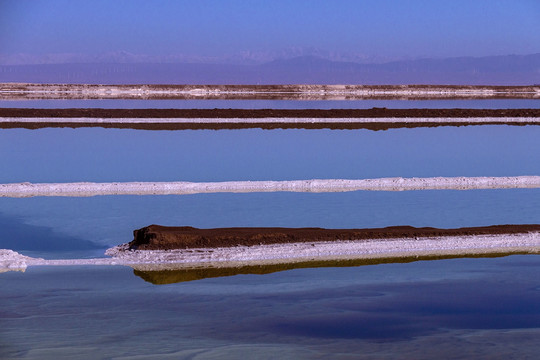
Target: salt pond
480, 308
108, 155
275, 104
485, 307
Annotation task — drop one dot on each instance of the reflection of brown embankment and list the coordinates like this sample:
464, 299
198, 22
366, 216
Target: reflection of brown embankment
375, 126
162, 277
156, 237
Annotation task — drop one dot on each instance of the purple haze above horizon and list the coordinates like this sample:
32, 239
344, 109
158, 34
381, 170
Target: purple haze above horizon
344, 29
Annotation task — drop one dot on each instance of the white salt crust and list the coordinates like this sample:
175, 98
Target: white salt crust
315, 185
342, 92
290, 253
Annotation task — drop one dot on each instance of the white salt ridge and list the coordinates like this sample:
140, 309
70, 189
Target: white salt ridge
315, 185
13, 261
273, 120
290, 253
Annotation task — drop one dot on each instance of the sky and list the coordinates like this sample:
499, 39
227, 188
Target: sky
214, 28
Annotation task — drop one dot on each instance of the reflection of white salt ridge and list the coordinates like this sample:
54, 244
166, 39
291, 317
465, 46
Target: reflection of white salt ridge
316, 185
284, 120
294, 252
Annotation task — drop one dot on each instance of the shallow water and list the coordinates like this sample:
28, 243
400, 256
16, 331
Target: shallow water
274, 104
95, 154
481, 308
65, 226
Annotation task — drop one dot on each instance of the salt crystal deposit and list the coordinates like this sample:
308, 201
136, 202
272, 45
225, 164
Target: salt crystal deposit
296, 252
314, 185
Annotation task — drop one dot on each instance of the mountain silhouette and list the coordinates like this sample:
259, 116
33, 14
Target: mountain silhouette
489, 70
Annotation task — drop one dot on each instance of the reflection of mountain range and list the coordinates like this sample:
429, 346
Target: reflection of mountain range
490, 70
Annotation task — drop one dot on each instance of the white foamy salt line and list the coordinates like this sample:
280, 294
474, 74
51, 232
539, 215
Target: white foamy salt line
272, 120
315, 185
294, 252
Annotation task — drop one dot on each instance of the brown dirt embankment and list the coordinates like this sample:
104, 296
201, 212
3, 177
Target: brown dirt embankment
156, 237
265, 113
456, 117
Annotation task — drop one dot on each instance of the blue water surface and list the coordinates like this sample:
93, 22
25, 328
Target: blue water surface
481, 308
95, 154
455, 308
274, 104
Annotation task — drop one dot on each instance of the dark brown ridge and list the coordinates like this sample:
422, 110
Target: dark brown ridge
156, 237
375, 126
265, 113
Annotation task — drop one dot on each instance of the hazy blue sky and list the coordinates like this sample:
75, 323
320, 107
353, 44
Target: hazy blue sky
385, 28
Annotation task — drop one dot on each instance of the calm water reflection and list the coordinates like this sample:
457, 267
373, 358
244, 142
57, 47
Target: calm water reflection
53, 227
275, 104
481, 308
94, 154
451, 308
171, 276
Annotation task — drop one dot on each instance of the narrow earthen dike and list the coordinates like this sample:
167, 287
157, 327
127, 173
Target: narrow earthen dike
156, 237
263, 113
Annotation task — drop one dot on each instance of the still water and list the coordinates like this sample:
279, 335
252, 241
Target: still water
482, 308
94, 154
476, 308
274, 104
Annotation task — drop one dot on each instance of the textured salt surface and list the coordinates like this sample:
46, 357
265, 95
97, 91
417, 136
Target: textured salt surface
304, 92
297, 252
148, 91
316, 185
13, 261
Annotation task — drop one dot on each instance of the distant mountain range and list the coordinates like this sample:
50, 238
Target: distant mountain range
247, 57
489, 70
